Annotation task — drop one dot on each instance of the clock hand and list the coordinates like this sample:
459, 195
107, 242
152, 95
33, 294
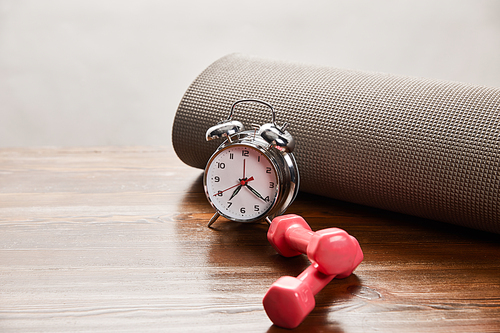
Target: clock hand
244, 160
236, 191
257, 194
227, 189
245, 181
241, 182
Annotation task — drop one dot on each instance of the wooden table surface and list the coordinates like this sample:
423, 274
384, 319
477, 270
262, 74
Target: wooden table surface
115, 240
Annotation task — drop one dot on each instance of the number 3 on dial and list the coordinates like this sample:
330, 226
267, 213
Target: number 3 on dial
241, 183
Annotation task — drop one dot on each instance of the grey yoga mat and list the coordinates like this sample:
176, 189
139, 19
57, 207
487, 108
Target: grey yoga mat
417, 146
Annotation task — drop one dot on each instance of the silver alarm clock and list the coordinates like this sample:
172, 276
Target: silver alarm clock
253, 174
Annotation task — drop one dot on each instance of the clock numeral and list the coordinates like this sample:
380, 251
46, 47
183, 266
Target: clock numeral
268, 170
231, 156
229, 203
221, 165
271, 185
258, 158
242, 210
217, 179
256, 208
267, 199
245, 153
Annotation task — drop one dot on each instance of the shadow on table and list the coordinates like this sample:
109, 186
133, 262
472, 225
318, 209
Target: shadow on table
235, 247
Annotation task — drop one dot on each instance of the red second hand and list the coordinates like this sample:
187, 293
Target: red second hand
227, 189
242, 182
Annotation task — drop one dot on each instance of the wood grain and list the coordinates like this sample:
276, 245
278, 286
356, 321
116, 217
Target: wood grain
115, 240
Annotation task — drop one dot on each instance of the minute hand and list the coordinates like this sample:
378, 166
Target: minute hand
257, 194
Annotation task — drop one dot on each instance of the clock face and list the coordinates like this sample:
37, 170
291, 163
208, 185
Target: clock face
241, 183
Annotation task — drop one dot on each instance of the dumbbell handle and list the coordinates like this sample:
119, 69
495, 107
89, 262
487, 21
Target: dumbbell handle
298, 238
315, 279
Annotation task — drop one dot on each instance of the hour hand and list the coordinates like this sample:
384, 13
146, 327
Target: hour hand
257, 194
236, 191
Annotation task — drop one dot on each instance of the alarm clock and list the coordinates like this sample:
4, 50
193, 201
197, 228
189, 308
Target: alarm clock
253, 174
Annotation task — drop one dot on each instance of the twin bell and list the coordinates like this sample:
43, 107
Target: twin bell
275, 136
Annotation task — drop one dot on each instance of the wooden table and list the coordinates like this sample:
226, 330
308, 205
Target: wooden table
115, 240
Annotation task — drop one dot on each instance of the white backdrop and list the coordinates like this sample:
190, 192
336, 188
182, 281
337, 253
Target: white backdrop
97, 72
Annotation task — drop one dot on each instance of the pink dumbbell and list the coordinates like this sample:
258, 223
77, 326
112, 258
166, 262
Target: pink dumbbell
333, 251
290, 299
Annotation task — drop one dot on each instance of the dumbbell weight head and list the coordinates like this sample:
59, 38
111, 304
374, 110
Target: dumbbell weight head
278, 229
288, 301
334, 251
358, 258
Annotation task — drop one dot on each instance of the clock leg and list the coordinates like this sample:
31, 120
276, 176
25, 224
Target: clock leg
213, 219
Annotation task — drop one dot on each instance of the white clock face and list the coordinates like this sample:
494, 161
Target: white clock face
241, 183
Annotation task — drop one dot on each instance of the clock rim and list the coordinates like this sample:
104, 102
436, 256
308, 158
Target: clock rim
275, 166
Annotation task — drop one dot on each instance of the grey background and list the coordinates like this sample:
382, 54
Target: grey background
95, 72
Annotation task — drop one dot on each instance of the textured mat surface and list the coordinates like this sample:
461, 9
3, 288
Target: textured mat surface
423, 147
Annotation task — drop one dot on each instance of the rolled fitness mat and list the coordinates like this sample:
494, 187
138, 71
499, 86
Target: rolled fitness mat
422, 147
